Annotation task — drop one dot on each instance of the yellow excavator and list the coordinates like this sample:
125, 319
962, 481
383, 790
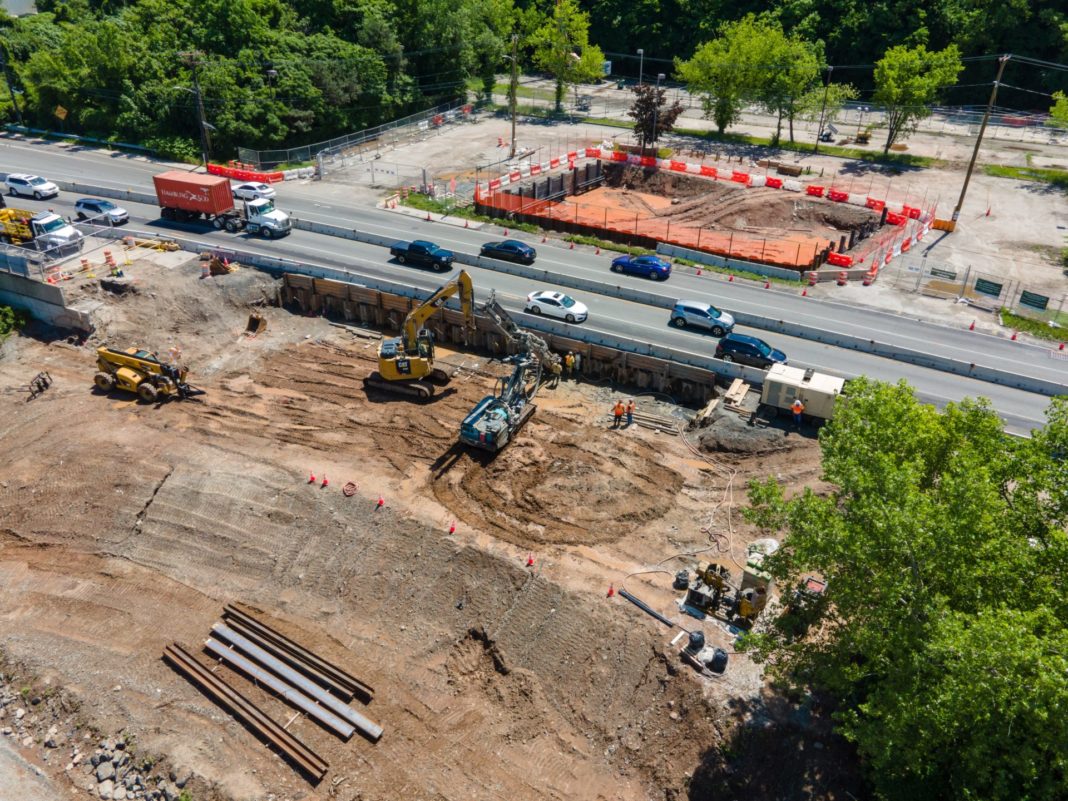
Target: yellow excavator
406, 363
142, 372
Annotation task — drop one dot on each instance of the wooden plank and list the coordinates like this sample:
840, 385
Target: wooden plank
396, 303
297, 281
332, 289
362, 294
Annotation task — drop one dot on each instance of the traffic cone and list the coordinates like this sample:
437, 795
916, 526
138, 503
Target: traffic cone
311, 478
572, 247
466, 224
767, 285
381, 502
1013, 337
544, 239
452, 527
428, 216
530, 560
972, 326
731, 278
699, 270
506, 232
597, 252
326, 482
1061, 347
804, 292
611, 590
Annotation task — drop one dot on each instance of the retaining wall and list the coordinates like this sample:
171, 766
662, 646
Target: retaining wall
43, 302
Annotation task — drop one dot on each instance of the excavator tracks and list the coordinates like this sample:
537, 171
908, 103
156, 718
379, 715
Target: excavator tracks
412, 389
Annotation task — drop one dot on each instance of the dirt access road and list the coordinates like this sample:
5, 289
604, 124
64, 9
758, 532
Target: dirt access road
124, 527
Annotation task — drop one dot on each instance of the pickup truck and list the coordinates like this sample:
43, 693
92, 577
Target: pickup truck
423, 252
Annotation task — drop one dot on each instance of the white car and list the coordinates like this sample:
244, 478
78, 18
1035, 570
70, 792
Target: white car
556, 304
30, 186
253, 190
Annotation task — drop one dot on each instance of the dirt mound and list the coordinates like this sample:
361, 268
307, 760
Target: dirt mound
729, 433
662, 182
558, 485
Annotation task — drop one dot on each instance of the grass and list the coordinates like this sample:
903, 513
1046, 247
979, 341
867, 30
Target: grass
1045, 175
524, 91
712, 268
1037, 328
424, 203
604, 244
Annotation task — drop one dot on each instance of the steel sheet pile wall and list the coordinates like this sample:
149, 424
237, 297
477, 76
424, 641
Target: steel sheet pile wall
375, 309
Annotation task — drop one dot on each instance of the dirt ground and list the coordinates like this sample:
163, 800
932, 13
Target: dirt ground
125, 526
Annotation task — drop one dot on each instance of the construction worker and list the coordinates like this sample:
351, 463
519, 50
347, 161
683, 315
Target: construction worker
578, 363
798, 408
569, 364
630, 412
617, 412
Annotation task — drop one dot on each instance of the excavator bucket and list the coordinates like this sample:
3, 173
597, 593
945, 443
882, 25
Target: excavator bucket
256, 324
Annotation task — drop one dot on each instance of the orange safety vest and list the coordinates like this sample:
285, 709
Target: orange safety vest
618, 411
630, 408
798, 407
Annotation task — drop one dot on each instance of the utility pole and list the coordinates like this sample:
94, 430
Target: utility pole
192, 58
823, 109
1002, 61
515, 88
10, 88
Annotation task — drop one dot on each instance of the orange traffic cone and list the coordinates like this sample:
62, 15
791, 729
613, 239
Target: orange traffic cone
767, 285
326, 482
972, 326
544, 238
506, 232
311, 478
530, 560
597, 252
466, 224
572, 247
698, 270
804, 292
731, 278
1061, 347
428, 216
1013, 337
381, 502
611, 590
452, 527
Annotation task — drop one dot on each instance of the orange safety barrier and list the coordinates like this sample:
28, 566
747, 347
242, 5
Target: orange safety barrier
678, 166
515, 176
740, 177
619, 155
647, 161
245, 174
593, 153
709, 172
815, 191
896, 219
839, 260
554, 163
838, 197
875, 205
774, 183
906, 244
911, 212
535, 169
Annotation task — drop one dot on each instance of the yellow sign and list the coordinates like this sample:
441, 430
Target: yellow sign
60, 112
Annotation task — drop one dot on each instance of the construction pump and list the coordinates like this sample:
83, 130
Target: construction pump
142, 372
495, 419
406, 363
711, 592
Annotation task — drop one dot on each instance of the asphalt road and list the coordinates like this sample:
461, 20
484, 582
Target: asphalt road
1020, 410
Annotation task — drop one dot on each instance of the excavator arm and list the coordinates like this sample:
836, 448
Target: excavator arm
417, 318
524, 341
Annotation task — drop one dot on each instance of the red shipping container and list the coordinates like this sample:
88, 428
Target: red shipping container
190, 191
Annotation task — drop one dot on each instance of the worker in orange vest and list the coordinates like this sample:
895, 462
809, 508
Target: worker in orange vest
630, 412
798, 408
617, 412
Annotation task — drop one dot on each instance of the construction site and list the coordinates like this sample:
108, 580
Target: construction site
557, 618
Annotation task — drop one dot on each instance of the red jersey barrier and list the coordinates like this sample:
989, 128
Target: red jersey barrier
838, 197
709, 172
896, 219
647, 161
875, 205
678, 166
815, 191
774, 183
839, 260
740, 177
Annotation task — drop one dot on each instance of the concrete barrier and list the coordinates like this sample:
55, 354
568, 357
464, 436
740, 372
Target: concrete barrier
104, 191
44, 302
701, 257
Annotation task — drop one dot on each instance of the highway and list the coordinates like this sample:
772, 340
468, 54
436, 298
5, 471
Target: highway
1020, 410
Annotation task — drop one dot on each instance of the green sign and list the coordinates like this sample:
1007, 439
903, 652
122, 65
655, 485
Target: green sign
988, 287
1038, 302
939, 272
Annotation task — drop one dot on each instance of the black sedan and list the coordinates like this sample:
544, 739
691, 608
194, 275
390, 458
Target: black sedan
510, 250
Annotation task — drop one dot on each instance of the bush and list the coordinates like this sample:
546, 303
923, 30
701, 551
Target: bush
10, 320
175, 148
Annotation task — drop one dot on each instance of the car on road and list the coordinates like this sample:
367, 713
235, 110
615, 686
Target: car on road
30, 186
510, 250
556, 304
653, 267
251, 190
748, 350
103, 212
698, 314
422, 252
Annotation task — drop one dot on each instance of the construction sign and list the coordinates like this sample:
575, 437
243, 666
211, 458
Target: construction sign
60, 112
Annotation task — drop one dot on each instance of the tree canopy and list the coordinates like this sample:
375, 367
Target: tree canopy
945, 632
907, 81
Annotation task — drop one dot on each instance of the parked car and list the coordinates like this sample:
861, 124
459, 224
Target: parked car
745, 349
510, 250
556, 304
30, 186
698, 314
250, 190
103, 212
652, 267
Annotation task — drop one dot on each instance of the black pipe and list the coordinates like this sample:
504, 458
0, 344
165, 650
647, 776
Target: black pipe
646, 608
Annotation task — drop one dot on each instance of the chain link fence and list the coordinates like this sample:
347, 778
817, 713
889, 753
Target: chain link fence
65, 261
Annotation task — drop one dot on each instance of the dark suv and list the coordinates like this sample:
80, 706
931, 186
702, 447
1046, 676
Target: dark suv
745, 349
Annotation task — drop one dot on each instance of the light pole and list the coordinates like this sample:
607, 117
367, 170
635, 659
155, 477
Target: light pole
641, 65
201, 123
656, 107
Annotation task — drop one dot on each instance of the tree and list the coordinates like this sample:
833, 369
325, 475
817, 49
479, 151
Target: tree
907, 81
562, 48
719, 73
1058, 113
945, 632
651, 116
822, 104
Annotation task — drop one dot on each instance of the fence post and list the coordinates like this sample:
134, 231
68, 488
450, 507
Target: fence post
667, 234
699, 237
730, 246
763, 245
964, 283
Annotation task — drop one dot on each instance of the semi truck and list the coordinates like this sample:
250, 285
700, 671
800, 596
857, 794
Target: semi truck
190, 197
45, 231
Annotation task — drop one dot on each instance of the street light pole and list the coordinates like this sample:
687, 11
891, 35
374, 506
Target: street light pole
823, 110
641, 66
515, 88
979, 139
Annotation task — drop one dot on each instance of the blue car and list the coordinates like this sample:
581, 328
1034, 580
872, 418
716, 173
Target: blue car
652, 267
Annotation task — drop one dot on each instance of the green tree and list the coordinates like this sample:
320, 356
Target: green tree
822, 104
1058, 113
562, 48
782, 68
945, 635
907, 81
651, 115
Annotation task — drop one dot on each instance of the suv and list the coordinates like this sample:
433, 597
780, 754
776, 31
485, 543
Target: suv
698, 314
745, 349
101, 211
31, 186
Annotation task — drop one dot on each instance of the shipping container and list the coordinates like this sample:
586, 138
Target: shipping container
210, 195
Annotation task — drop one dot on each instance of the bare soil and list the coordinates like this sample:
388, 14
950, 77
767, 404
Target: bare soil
125, 526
